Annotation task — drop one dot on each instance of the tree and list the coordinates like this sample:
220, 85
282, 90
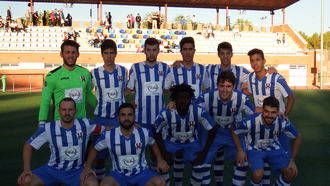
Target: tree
314, 41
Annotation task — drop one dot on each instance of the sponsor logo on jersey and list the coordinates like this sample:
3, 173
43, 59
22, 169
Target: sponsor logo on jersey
120, 78
64, 78
83, 78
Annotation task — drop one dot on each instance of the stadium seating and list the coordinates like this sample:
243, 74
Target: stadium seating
129, 40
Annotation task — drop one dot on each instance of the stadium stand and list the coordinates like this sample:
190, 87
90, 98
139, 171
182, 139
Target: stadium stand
131, 40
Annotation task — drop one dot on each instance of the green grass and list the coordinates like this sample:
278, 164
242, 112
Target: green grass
18, 121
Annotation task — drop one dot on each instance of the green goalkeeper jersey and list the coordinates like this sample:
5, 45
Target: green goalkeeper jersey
61, 83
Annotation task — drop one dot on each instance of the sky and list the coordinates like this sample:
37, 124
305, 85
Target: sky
302, 16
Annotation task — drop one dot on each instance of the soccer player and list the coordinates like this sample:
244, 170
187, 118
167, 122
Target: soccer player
67, 139
225, 53
110, 81
226, 105
188, 72
127, 146
262, 84
193, 74
147, 80
176, 131
68, 80
262, 132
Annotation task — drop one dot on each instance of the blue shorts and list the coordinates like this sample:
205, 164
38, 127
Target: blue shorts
107, 122
188, 149
285, 142
224, 141
139, 179
51, 176
277, 159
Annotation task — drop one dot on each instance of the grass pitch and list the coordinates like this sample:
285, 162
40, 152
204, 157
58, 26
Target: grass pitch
19, 113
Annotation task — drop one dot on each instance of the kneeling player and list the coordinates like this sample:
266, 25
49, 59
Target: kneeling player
226, 106
67, 140
262, 132
127, 144
176, 132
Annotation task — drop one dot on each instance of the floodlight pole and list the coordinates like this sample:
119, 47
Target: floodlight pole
321, 54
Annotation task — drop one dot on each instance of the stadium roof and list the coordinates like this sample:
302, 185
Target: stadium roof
221, 4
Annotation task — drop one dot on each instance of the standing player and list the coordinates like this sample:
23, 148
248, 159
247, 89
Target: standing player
68, 80
110, 81
190, 73
225, 53
127, 147
176, 131
67, 139
226, 105
262, 84
262, 132
147, 80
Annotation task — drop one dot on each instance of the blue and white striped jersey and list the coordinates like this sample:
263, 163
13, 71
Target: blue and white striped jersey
127, 154
148, 83
67, 146
109, 90
262, 137
240, 73
182, 129
270, 85
225, 114
196, 76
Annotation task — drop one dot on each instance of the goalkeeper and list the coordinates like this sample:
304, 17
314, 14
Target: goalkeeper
68, 80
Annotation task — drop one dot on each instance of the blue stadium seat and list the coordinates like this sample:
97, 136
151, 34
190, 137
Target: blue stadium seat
121, 46
183, 33
145, 36
112, 35
122, 31
139, 31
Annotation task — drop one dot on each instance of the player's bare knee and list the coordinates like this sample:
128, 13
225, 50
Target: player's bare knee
156, 181
258, 175
108, 181
90, 181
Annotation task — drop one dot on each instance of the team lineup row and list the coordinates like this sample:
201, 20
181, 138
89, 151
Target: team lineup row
208, 120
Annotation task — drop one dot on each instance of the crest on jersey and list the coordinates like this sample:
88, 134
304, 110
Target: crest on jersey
161, 73
191, 123
80, 135
198, 76
138, 145
233, 109
276, 132
267, 85
83, 78
120, 78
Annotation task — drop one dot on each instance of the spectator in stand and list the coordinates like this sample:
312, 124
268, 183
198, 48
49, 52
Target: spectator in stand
132, 21
35, 18
1, 22
44, 18
193, 22
109, 19
69, 20
62, 17
149, 22
154, 21
9, 13
129, 21
138, 21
